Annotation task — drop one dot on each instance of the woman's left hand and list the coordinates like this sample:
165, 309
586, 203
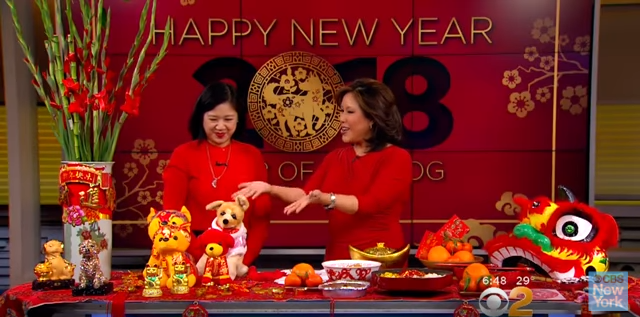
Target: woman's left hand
296, 207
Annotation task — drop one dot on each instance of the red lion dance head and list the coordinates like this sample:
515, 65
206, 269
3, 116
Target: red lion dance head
566, 239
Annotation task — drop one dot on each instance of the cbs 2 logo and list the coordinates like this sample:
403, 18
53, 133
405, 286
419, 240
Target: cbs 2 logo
494, 299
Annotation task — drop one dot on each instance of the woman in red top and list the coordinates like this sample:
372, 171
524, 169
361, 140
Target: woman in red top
364, 186
210, 167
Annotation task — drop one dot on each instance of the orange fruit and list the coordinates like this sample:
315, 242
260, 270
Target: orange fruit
293, 280
438, 254
314, 280
303, 270
476, 271
453, 259
450, 246
464, 256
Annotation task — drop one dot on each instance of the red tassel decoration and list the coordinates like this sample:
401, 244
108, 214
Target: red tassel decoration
195, 310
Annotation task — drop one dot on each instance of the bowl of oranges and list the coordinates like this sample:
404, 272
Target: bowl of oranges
451, 254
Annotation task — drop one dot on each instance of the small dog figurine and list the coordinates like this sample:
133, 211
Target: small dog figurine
55, 272
92, 280
229, 220
61, 269
216, 244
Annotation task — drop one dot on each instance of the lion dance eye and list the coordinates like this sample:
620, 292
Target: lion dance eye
573, 228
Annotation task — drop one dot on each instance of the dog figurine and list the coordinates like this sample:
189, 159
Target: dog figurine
170, 246
61, 269
90, 272
177, 218
216, 245
229, 219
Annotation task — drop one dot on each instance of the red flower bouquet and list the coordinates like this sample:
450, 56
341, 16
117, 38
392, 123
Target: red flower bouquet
79, 89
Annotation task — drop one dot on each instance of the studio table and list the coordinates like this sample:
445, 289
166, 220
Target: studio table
246, 298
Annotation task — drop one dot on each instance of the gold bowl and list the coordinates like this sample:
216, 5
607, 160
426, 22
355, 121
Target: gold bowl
388, 257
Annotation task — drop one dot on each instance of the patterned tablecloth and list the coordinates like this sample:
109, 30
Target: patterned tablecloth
19, 300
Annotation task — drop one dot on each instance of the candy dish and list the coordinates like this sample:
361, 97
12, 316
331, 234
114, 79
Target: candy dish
411, 283
322, 274
356, 270
438, 265
344, 289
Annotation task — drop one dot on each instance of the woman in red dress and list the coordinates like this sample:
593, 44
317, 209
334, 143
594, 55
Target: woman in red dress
211, 167
365, 186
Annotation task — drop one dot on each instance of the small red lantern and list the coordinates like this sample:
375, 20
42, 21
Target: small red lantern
195, 310
466, 310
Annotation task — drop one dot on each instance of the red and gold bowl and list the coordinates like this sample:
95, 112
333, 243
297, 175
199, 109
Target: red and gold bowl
412, 284
437, 265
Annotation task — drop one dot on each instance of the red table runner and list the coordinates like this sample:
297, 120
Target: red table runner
18, 300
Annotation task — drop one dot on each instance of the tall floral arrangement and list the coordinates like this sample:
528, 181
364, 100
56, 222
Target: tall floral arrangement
80, 91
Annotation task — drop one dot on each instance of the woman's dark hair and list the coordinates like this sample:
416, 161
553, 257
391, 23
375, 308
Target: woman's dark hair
378, 105
214, 95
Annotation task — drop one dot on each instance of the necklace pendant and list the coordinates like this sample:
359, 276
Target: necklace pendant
215, 183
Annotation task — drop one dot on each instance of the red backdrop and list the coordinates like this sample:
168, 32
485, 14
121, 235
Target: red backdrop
479, 110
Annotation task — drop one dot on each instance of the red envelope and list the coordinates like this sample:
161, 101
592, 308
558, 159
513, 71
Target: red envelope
455, 228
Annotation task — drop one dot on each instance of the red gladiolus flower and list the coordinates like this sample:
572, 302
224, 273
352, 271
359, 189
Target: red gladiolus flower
70, 86
79, 103
131, 104
71, 58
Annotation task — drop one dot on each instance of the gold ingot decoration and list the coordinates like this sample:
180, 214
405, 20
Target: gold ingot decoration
292, 102
389, 258
185, 3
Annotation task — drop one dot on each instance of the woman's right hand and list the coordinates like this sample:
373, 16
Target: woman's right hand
252, 189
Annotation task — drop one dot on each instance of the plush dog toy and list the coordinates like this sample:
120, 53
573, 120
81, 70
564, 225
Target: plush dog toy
216, 244
229, 220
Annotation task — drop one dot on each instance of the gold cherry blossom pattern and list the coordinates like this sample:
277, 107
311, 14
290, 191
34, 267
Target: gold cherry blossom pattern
544, 30
185, 3
511, 78
162, 164
140, 188
520, 104
123, 230
144, 151
159, 197
531, 53
546, 62
564, 40
130, 169
539, 70
507, 205
582, 45
144, 197
543, 94
574, 99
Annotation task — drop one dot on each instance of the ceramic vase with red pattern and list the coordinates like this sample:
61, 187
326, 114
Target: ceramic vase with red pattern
87, 197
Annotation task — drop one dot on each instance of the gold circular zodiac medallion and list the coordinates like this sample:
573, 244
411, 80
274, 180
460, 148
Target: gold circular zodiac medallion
292, 102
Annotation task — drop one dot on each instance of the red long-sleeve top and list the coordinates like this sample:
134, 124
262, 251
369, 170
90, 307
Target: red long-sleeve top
382, 183
188, 178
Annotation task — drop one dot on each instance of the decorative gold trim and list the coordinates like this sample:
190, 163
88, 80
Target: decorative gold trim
310, 222
555, 104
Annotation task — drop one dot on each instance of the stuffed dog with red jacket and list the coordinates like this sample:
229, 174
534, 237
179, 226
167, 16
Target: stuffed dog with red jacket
216, 245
